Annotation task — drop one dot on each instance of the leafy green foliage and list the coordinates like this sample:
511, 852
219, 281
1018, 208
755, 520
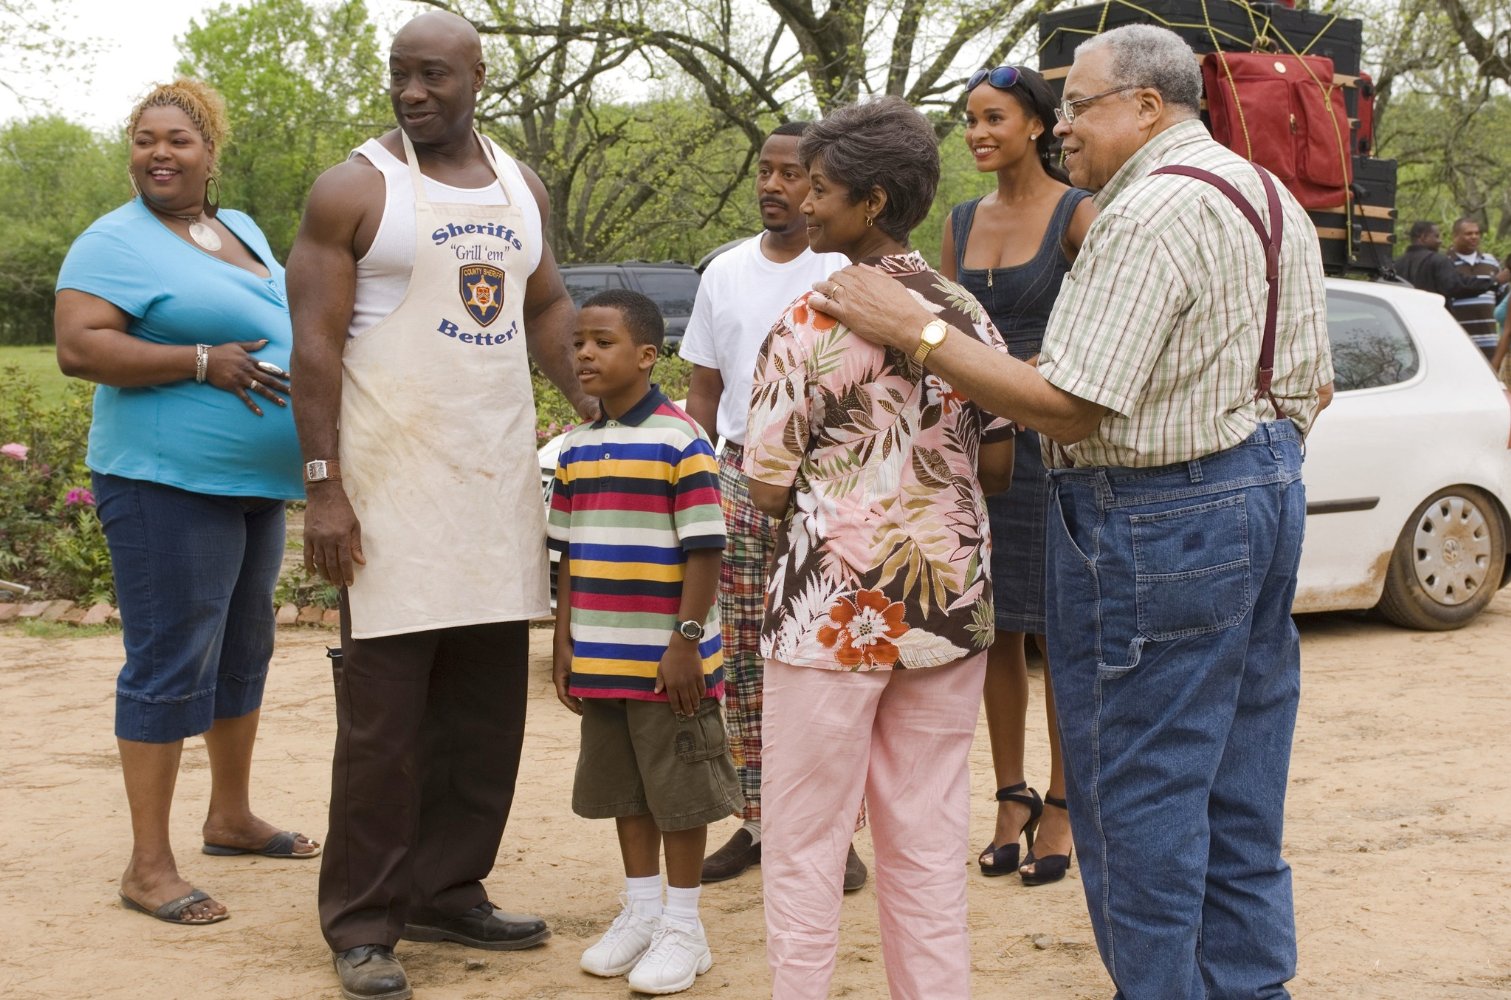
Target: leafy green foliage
55, 179
1443, 109
553, 414
304, 85
1468, 175
39, 363
50, 536
300, 589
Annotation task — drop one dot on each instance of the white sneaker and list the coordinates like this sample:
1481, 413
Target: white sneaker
621, 946
677, 956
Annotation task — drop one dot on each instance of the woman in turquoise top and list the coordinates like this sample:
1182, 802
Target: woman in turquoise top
178, 311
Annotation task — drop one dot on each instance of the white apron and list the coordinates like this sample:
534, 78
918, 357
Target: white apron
438, 431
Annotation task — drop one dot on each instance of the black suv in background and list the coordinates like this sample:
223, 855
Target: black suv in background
672, 286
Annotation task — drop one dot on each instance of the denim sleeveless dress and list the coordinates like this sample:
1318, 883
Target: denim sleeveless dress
1019, 299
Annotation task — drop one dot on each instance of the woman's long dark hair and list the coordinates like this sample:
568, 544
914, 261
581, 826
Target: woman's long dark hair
1038, 101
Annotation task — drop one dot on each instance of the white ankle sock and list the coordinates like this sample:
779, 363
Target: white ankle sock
752, 827
644, 895
682, 905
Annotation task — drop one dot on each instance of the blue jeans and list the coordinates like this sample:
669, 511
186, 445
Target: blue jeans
194, 578
1177, 671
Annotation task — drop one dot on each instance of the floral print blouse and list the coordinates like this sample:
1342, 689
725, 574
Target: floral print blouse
883, 561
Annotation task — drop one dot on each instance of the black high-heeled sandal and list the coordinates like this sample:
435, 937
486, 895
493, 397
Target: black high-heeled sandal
1001, 860
1051, 867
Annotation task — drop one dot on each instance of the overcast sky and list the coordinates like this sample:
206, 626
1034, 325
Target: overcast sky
131, 48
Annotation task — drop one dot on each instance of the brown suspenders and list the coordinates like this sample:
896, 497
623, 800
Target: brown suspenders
1270, 238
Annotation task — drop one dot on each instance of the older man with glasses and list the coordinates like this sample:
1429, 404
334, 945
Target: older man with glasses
1185, 360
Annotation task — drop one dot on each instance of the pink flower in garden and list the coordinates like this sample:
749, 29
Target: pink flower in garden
79, 496
15, 450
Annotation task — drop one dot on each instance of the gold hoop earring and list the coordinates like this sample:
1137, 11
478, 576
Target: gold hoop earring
211, 207
870, 220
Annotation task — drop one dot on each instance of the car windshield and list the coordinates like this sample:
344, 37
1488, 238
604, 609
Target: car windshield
582, 285
672, 289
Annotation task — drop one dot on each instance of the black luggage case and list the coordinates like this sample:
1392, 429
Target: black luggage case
1207, 25
1364, 239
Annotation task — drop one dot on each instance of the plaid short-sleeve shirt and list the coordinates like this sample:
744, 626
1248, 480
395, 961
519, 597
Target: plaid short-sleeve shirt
1161, 317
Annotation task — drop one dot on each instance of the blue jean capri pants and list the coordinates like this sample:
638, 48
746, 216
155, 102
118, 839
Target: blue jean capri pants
194, 578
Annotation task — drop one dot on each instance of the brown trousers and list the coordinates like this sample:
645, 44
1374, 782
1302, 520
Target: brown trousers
428, 733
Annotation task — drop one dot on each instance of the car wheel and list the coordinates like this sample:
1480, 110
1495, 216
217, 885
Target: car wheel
1447, 562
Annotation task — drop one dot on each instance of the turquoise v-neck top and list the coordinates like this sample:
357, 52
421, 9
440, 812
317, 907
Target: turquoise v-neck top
188, 434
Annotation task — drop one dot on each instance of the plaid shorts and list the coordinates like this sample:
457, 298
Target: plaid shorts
748, 545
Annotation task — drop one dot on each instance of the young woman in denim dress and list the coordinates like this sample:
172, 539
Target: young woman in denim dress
1011, 249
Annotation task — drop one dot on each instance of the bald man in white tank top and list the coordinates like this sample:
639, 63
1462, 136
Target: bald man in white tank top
420, 279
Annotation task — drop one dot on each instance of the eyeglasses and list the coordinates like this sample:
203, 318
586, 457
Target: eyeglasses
1066, 112
1002, 78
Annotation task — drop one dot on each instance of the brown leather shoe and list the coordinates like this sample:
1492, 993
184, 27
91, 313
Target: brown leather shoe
855, 871
731, 860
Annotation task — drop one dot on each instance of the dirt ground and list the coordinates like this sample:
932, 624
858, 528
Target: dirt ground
1398, 814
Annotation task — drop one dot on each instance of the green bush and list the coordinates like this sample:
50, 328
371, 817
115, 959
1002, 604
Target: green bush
553, 414
299, 589
50, 535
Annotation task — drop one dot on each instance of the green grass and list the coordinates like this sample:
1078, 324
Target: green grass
62, 630
40, 363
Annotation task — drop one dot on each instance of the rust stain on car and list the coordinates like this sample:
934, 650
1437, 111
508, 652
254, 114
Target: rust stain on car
1365, 594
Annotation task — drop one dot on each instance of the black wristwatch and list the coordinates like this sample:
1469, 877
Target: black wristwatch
691, 630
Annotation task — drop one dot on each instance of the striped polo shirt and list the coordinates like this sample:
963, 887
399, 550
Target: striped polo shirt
1476, 313
632, 496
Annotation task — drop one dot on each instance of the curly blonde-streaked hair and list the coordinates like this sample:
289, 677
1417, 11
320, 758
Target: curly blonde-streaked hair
195, 98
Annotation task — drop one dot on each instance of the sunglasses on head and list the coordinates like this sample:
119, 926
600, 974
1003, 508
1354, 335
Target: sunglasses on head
1003, 77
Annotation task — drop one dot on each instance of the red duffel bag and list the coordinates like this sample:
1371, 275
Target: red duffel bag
1285, 113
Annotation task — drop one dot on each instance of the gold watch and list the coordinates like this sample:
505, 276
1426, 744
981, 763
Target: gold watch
934, 332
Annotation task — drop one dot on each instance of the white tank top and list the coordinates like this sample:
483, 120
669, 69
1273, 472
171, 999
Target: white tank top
383, 272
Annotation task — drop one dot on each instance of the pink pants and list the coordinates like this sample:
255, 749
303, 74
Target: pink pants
901, 738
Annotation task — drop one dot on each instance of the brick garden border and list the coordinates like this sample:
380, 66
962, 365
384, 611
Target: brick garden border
69, 613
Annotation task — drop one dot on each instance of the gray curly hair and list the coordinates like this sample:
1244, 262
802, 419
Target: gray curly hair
1147, 56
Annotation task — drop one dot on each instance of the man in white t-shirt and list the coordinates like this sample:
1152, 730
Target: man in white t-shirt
742, 293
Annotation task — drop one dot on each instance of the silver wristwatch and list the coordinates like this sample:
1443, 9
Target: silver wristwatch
321, 470
691, 630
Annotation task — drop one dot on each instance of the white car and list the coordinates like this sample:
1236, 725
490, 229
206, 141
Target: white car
1408, 472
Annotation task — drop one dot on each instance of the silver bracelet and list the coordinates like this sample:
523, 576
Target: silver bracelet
201, 361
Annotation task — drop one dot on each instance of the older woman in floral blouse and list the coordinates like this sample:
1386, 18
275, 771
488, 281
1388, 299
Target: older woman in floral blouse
879, 610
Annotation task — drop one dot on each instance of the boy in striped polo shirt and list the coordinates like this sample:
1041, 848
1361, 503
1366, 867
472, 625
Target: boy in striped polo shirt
635, 515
